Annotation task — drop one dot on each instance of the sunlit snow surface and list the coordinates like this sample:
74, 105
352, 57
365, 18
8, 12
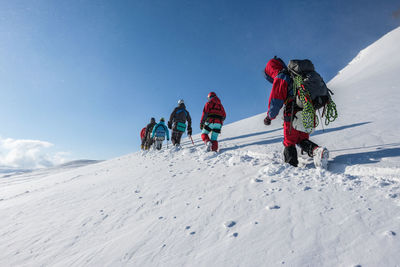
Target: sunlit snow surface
240, 207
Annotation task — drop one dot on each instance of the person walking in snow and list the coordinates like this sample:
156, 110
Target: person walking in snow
143, 137
149, 129
282, 93
159, 132
211, 121
177, 122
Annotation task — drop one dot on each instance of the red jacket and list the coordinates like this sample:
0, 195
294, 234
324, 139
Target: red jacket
280, 87
142, 133
213, 111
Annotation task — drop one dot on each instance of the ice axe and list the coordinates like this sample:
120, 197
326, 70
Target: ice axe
191, 139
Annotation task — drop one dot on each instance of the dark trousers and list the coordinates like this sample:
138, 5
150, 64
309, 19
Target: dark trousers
148, 142
176, 137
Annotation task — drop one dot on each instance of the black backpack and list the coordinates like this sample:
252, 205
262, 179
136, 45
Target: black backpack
310, 93
311, 81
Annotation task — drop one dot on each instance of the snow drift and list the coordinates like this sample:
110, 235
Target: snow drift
241, 207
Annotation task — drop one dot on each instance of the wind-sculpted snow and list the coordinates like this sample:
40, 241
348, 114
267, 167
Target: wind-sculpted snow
240, 207
190, 208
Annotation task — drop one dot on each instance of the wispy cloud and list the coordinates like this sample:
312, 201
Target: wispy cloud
28, 154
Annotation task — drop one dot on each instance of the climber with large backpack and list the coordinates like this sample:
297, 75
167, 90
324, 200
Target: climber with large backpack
302, 91
211, 121
149, 129
158, 134
177, 123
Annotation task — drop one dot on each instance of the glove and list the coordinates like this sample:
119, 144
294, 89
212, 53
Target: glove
201, 126
170, 125
267, 121
189, 131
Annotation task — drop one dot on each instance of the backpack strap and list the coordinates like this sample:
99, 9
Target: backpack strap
180, 110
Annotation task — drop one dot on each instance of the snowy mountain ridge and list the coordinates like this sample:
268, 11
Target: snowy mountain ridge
241, 207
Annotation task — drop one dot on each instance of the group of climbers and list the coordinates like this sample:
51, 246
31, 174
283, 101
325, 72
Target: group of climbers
154, 134
180, 121
288, 89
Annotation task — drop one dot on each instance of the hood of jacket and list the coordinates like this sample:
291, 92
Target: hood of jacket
274, 66
215, 99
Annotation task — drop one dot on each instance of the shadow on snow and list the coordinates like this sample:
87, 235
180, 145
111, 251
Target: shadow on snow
277, 139
345, 160
249, 135
340, 128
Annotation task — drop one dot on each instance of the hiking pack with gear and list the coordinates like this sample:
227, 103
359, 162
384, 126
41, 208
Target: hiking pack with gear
211, 121
159, 132
213, 111
310, 94
177, 122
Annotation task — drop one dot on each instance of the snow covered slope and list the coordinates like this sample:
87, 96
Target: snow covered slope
241, 207
368, 97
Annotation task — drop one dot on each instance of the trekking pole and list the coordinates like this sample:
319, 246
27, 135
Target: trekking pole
191, 139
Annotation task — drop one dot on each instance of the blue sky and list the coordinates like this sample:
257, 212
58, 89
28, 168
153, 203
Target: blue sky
86, 76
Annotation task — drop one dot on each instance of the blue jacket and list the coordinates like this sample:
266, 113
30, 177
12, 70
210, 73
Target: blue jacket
160, 130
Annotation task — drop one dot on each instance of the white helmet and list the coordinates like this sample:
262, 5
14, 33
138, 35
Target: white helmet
180, 102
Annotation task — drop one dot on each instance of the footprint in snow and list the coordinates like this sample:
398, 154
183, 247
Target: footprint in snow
273, 169
390, 233
235, 234
192, 233
256, 180
229, 224
273, 207
384, 184
306, 188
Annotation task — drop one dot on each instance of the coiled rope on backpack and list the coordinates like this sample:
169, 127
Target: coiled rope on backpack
308, 113
331, 112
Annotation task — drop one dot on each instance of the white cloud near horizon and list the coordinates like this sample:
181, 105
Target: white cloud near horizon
28, 154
